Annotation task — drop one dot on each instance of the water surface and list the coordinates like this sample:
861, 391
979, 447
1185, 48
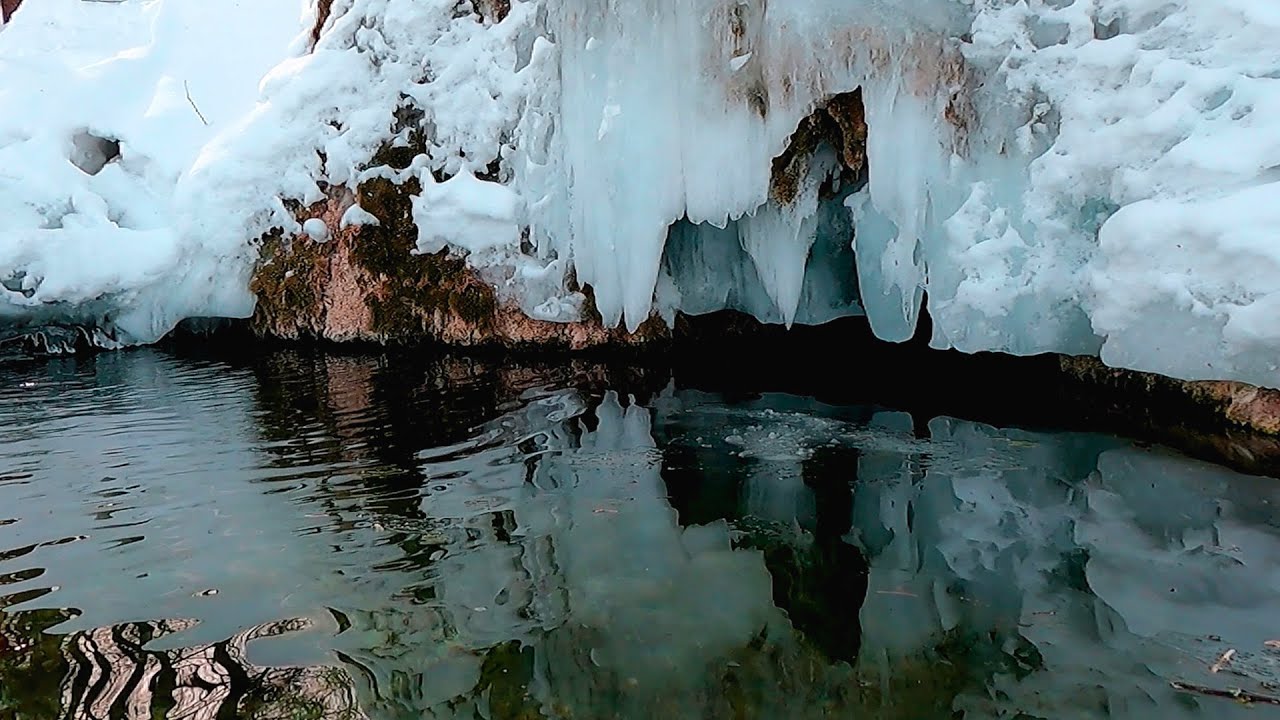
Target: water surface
305, 535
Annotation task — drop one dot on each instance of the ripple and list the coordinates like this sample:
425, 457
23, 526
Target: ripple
464, 534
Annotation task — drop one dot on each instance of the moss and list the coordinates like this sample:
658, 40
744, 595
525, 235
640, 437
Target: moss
397, 156
410, 297
32, 664
382, 249
288, 275
506, 674
413, 289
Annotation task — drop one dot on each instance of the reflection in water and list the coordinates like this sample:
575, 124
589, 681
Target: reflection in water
109, 672
326, 536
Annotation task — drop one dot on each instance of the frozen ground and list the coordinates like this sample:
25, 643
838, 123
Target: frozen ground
1083, 176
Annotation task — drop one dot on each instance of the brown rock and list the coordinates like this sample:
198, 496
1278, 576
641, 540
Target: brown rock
365, 284
495, 10
323, 9
7, 8
1230, 421
840, 123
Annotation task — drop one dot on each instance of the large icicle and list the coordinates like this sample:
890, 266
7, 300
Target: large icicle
677, 110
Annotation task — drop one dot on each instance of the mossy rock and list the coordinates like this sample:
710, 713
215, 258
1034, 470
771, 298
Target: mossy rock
413, 289
289, 273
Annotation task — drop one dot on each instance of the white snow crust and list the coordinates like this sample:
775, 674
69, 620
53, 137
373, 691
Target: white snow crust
1079, 176
93, 239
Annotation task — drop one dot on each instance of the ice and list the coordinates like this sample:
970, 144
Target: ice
1192, 288
1137, 216
1003, 140
1080, 176
707, 136
778, 264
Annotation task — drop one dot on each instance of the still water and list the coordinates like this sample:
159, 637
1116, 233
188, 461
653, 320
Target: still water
303, 535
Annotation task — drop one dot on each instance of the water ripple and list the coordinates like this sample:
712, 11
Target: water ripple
303, 534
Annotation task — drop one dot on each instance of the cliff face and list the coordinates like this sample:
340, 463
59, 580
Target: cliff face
545, 172
364, 283
379, 282
623, 159
356, 271
819, 159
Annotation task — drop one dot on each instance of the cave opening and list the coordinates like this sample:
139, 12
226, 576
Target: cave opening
791, 260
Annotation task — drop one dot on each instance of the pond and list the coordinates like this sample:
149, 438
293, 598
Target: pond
304, 534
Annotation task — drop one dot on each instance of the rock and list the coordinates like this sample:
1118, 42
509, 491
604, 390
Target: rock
363, 283
493, 10
7, 8
840, 123
323, 9
1224, 420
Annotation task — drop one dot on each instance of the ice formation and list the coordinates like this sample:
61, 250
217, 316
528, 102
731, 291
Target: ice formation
1080, 176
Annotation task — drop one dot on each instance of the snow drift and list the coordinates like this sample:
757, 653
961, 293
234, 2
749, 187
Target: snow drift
1079, 176
96, 139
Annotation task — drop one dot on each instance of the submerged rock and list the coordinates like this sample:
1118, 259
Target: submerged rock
1229, 421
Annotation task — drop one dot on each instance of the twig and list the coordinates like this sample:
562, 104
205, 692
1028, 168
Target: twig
900, 593
1223, 661
1234, 694
193, 103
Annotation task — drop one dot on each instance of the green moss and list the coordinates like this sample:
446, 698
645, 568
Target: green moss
413, 288
32, 664
285, 284
506, 674
406, 292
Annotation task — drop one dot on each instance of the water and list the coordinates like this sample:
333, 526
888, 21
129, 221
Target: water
303, 535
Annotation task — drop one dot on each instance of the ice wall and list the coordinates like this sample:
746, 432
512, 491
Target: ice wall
675, 111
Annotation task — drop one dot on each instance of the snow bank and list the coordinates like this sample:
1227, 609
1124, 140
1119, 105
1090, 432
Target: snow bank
1150, 140
94, 140
1081, 176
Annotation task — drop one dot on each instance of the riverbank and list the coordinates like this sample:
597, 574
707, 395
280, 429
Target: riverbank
1234, 424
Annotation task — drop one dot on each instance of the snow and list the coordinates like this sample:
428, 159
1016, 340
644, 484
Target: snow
356, 216
466, 212
316, 229
1147, 186
1079, 176
92, 237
